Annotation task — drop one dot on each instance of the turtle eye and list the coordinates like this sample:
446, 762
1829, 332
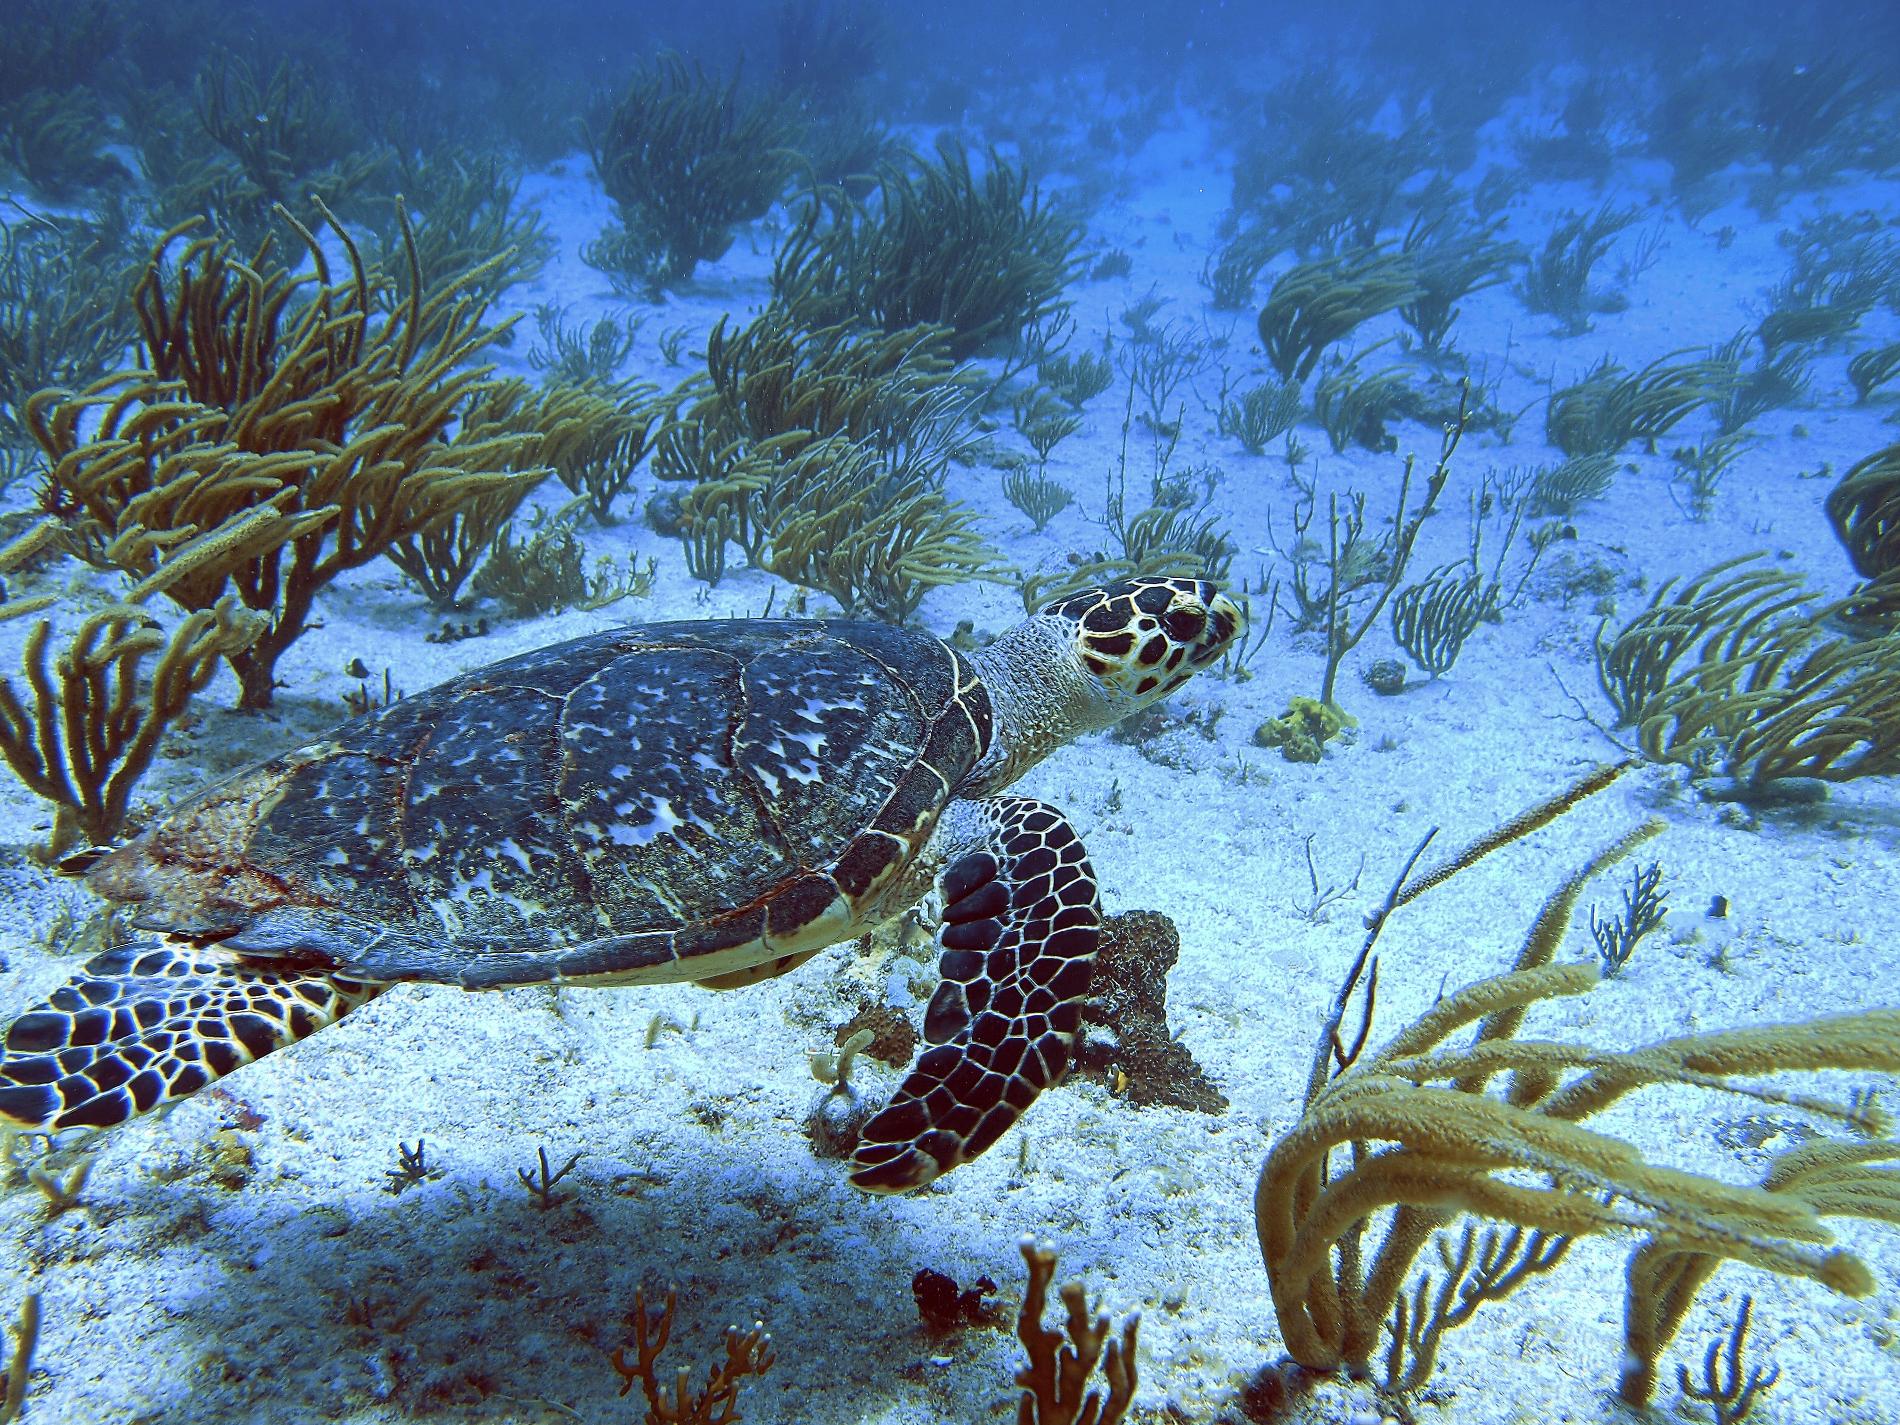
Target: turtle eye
1185, 625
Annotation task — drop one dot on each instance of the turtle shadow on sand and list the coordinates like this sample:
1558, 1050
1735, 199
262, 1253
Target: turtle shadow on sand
462, 1298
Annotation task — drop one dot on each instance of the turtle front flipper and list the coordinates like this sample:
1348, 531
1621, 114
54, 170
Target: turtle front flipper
152, 1022
1021, 926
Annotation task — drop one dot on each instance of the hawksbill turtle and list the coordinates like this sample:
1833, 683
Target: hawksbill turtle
713, 801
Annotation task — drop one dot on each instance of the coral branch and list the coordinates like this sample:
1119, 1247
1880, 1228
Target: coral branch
1055, 1382
350, 415
1429, 1138
90, 719
748, 1353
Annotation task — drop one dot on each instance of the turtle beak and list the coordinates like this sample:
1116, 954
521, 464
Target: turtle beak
1226, 621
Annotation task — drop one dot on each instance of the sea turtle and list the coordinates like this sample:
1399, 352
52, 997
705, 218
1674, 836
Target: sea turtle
713, 801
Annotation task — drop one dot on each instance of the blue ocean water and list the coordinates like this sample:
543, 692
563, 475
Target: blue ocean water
1411, 491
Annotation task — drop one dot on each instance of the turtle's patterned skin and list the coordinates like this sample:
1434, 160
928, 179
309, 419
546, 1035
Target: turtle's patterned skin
1021, 923
711, 801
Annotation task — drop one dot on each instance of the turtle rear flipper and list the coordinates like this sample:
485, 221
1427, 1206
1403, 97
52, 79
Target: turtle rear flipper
152, 1022
1021, 926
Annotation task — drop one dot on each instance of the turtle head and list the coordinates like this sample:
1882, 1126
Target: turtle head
1140, 639
1092, 658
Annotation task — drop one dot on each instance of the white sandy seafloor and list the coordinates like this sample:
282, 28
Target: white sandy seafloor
239, 1259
